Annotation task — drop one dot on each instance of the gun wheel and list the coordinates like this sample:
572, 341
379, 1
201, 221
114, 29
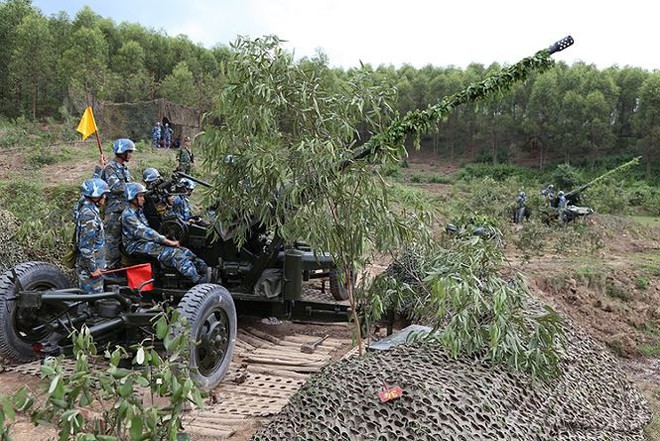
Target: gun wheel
211, 314
20, 328
338, 286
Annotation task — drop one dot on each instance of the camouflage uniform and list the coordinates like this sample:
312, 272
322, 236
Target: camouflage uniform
181, 207
91, 246
116, 175
139, 237
155, 135
167, 136
185, 159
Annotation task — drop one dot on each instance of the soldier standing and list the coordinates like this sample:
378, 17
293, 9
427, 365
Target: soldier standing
90, 237
185, 157
167, 135
155, 135
139, 238
116, 174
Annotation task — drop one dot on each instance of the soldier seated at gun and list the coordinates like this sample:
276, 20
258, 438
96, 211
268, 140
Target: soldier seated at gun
181, 203
139, 238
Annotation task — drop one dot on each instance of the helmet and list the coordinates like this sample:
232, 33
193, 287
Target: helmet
189, 184
187, 138
133, 189
150, 175
561, 193
551, 187
94, 188
123, 145
522, 194
157, 123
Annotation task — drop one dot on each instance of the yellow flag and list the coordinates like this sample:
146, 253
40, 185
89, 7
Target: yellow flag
87, 124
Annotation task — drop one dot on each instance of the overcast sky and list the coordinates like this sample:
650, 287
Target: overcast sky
417, 32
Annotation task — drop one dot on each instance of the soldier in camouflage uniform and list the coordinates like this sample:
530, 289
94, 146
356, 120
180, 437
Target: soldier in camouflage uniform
90, 238
139, 238
156, 133
116, 174
185, 157
181, 204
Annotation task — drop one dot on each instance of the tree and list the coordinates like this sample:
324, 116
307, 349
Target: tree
12, 13
179, 87
85, 64
296, 161
32, 60
647, 120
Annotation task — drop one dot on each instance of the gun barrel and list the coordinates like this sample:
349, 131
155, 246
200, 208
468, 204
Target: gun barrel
499, 82
194, 179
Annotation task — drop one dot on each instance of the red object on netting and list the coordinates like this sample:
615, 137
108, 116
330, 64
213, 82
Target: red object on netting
136, 275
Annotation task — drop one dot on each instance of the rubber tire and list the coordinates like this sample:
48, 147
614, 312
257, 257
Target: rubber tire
338, 290
32, 275
195, 305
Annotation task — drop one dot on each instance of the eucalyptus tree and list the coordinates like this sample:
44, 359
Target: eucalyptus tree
85, 63
301, 162
31, 62
12, 13
179, 86
647, 120
131, 80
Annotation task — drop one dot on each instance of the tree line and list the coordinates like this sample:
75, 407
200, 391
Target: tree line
50, 66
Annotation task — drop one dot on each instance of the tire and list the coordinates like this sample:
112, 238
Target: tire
16, 335
211, 314
338, 288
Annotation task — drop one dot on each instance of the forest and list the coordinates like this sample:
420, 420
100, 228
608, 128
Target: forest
52, 67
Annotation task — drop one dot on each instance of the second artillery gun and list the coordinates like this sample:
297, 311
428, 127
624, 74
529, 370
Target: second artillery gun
39, 308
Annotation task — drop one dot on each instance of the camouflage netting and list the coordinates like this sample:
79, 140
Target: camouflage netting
448, 399
135, 120
10, 253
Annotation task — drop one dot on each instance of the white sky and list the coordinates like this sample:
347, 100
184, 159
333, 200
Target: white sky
417, 32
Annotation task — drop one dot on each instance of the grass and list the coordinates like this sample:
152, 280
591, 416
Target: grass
647, 221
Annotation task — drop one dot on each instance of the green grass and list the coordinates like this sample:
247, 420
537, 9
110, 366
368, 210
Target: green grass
647, 221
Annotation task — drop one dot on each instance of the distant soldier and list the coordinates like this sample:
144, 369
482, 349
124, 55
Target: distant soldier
185, 157
116, 174
548, 194
139, 238
520, 210
561, 200
167, 136
156, 134
90, 237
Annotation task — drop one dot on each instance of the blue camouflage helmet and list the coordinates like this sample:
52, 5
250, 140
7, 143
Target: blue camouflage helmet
94, 188
133, 189
150, 175
189, 184
123, 145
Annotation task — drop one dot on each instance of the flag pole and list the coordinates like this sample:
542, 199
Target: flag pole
98, 141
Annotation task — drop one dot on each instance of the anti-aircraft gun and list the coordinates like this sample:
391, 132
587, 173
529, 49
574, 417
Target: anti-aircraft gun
573, 209
39, 307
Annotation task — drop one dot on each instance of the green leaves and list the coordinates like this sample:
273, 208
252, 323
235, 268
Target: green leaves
107, 402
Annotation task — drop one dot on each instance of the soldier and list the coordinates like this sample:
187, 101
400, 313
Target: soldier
116, 174
548, 194
90, 238
181, 203
167, 135
561, 200
156, 135
139, 238
185, 157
